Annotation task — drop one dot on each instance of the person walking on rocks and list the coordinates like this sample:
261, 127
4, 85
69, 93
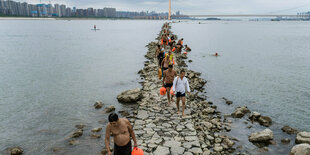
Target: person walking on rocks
168, 78
180, 86
122, 131
165, 63
160, 55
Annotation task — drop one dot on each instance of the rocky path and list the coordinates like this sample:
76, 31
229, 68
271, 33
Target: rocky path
158, 127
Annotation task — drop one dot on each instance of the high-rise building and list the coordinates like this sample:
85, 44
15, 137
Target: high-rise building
109, 12
63, 10
90, 12
68, 12
33, 10
50, 10
57, 10
100, 13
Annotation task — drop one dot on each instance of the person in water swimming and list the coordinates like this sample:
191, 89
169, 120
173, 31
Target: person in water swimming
122, 131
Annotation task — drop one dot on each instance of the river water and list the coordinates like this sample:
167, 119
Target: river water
262, 65
53, 71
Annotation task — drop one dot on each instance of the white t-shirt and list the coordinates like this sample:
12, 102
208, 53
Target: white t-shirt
179, 85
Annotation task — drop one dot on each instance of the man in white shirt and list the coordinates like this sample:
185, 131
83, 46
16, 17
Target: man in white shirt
180, 83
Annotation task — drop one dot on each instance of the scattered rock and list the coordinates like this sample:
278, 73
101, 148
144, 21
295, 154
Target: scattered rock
16, 151
263, 136
289, 130
265, 121
77, 133
130, 96
228, 142
209, 110
300, 149
73, 142
56, 149
228, 102
80, 126
96, 136
124, 113
109, 109
285, 141
190, 61
96, 129
303, 137
254, 116
98, 105
240, 112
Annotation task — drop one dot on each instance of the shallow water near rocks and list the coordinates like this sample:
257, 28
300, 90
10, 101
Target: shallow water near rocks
262, 65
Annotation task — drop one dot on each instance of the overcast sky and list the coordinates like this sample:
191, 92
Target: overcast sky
194, 6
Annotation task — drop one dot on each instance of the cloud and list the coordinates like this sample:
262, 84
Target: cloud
194, 6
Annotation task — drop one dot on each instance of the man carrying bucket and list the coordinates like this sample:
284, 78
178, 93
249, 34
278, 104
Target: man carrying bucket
180, 86
122, 131
168, 77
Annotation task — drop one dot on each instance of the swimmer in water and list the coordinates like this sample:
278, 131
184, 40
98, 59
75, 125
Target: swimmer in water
216, 54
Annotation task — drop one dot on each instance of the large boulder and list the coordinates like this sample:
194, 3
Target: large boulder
130, 96
303, 137
240, 112
261, 137
300, 149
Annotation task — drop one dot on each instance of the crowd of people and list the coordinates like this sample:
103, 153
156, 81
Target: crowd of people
121, 128
170, 79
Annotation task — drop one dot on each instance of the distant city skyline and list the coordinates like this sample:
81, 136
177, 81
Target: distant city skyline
14, 8
194, 6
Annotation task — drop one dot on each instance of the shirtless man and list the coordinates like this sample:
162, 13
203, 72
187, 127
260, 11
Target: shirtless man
165, 63
168, 80
121, 130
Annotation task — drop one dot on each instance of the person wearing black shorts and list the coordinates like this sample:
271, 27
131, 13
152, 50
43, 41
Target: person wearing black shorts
180, 86
168, 77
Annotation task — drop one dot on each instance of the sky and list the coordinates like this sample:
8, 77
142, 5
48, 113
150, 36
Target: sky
193, 7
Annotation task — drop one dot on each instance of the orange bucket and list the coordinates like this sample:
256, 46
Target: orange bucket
162, 91
137, 151
171, 91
